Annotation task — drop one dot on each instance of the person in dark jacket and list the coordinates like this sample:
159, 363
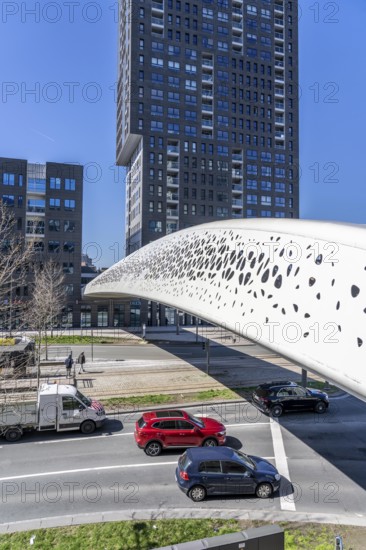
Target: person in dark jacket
81, 361
69, 363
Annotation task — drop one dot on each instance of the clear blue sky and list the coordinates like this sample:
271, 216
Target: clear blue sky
69, 57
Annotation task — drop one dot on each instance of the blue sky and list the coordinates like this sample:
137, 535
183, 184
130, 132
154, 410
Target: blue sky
67, 54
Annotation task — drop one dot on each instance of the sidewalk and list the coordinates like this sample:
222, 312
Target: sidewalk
245, 367
107, 379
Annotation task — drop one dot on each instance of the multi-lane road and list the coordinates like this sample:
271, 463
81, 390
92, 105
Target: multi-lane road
322, 460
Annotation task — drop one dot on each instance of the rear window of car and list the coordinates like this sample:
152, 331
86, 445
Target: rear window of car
184, 461
141, 422
261, 392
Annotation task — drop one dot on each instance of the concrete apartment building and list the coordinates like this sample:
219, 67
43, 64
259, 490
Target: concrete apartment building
207, 119
47, 206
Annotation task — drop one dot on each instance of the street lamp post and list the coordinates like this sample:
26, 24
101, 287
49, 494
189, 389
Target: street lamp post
10, 305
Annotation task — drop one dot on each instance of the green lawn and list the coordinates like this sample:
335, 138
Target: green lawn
78, 339
146, 535
166, 399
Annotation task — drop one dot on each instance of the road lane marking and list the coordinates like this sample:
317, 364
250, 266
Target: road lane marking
83, 470
81, 438
130, 433
287, 501
248, 424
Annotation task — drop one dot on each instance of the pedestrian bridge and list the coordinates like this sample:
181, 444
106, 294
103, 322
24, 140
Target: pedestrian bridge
297, 287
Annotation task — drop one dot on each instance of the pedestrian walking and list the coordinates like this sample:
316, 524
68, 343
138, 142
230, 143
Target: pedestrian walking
81, 361
69, 363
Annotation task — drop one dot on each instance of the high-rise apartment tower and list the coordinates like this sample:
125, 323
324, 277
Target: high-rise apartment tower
207, 119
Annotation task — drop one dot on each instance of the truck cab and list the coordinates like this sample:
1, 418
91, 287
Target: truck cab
63, 407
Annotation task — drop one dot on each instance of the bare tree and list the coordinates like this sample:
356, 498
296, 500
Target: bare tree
15, 255
48, 299
15, 259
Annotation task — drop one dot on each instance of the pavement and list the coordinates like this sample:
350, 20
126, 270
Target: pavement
248, 365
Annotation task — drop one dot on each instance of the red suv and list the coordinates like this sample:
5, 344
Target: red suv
157, 430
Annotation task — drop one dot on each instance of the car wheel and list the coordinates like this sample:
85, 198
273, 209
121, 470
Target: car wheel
264, 490
153, 448
320, 407
276, 411
87, 427
13, 434
197, 493
209, 443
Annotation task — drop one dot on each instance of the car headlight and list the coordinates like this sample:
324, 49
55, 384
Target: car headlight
277, 477
221, 433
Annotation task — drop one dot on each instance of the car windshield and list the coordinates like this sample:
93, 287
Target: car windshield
85, 400
246, 459
196, 421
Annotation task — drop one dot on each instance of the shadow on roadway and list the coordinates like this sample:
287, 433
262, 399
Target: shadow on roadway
338, 436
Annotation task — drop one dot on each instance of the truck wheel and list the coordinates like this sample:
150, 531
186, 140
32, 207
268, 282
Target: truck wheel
13, 434
87, 427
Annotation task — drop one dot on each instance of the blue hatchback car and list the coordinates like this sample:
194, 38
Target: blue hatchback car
205, 471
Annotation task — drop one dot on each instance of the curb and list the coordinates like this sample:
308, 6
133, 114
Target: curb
181, 513
173, 406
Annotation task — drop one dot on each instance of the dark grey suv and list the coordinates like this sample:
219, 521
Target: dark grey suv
284, 396
206, 471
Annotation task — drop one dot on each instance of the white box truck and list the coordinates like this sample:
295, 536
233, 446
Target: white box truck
53, 407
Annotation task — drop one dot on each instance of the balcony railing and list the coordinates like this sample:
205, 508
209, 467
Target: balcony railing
157, 5
173, 149
157, 21
37, 209
172, 196
237, 173
207, 62
172, 165
172, 181
207, 107
172, 213
207, 77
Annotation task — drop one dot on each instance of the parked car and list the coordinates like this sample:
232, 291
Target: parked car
278, 397
157, 430
223, 470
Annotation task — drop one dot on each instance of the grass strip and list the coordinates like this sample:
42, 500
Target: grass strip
146, 535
